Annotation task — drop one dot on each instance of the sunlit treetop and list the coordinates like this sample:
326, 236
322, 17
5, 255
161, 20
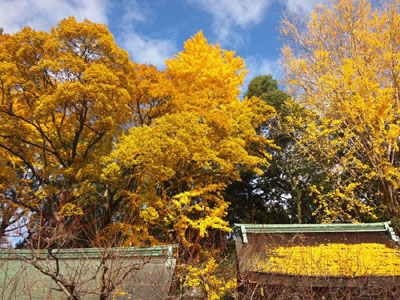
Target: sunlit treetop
63, 92
178, 165
205, 75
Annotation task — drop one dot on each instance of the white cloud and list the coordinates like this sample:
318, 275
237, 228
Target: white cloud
147, 50
272, 67
263, 66
42, 14
230, 13
237, 11
133, 12
302, 6
143, 49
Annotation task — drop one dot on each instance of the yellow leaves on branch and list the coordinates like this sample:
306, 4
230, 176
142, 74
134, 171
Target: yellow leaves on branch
150, 94
150, 150
205, 76
59, 92
176, 163
70, 209
345, 71
182, 161
208, 277
185, 160
67, 95
206, 204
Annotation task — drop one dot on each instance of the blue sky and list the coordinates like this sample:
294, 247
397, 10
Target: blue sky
153, 30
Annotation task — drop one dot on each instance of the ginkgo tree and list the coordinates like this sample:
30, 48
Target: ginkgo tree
343, 65
96, 150
65, 96
172, 172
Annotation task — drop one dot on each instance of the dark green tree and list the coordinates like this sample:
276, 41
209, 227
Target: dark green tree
283, 194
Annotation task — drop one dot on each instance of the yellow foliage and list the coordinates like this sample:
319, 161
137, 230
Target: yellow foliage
149, 152
67, 95
206, 278
205, 76
59, 100
150, 93
70, 209
363, 259
346, 75
182, 160
174, 166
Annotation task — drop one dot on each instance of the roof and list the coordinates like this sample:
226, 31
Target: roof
154, 251
326, 250
316, 228
138, 272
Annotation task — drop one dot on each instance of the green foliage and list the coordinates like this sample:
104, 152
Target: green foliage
283, 194
267, 89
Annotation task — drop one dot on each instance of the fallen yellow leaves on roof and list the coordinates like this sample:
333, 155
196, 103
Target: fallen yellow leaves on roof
364, 259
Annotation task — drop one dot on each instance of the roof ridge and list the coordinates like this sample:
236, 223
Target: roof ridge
153, 251
317, 228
